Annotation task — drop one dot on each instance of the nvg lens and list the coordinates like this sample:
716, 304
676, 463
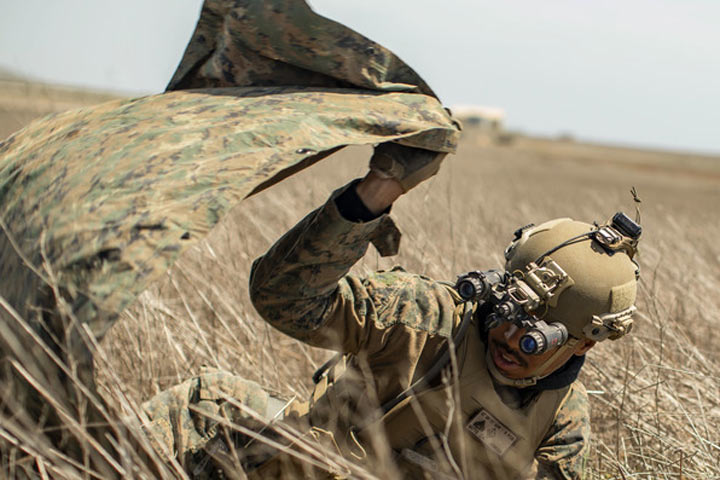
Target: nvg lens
528, 344
466, 290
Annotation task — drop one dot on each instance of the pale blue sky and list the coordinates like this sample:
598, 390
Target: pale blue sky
639, 72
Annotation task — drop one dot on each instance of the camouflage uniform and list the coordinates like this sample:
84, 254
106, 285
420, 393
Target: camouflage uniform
392, 324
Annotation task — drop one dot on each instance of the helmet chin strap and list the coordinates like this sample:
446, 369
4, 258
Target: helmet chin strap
535, 375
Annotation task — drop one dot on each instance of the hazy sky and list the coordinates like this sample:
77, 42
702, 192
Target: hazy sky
642, 72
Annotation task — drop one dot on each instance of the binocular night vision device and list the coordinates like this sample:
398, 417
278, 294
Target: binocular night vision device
507, 294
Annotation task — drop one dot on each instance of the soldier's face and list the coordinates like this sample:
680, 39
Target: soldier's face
503, 343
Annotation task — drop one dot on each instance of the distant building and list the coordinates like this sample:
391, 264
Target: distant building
490, 118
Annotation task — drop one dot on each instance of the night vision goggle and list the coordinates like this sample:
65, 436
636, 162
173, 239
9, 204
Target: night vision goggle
523, 297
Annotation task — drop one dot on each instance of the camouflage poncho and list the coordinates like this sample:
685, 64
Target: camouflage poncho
97, 203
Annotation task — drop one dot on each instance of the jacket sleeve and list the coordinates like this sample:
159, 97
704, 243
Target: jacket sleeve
301, 286
563, 451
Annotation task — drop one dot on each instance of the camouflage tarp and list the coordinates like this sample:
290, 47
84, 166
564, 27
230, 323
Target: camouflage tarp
283, 42
97, 203
108, 197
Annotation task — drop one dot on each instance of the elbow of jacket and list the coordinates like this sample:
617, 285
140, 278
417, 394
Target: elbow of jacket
270, 302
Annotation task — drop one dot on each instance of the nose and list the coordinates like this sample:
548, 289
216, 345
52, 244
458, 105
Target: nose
512, 336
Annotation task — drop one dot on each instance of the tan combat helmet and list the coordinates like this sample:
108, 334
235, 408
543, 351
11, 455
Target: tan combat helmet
592, 267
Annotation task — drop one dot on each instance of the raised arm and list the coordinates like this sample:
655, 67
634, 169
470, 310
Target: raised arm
301, 283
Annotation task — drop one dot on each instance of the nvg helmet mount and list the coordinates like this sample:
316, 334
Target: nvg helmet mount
519, 299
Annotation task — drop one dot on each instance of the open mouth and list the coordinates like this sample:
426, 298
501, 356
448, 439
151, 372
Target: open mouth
505, 359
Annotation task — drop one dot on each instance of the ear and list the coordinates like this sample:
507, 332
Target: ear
583, 346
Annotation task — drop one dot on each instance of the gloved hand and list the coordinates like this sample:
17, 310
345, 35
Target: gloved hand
408, 165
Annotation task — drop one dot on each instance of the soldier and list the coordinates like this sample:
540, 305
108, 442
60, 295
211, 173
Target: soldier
472, 380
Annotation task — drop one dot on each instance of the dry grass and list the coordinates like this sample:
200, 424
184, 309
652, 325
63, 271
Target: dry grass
655, 396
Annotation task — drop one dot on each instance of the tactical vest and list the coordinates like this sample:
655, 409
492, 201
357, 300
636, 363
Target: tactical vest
485, 438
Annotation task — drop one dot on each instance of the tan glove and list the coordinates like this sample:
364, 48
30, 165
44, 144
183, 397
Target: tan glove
408, 165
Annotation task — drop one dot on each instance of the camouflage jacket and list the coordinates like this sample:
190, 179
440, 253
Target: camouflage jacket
391, 323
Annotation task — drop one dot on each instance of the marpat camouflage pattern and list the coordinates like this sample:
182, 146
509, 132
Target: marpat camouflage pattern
106, 199
97, 203
283, 42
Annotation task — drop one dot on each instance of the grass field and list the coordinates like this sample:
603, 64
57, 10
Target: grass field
655, 395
